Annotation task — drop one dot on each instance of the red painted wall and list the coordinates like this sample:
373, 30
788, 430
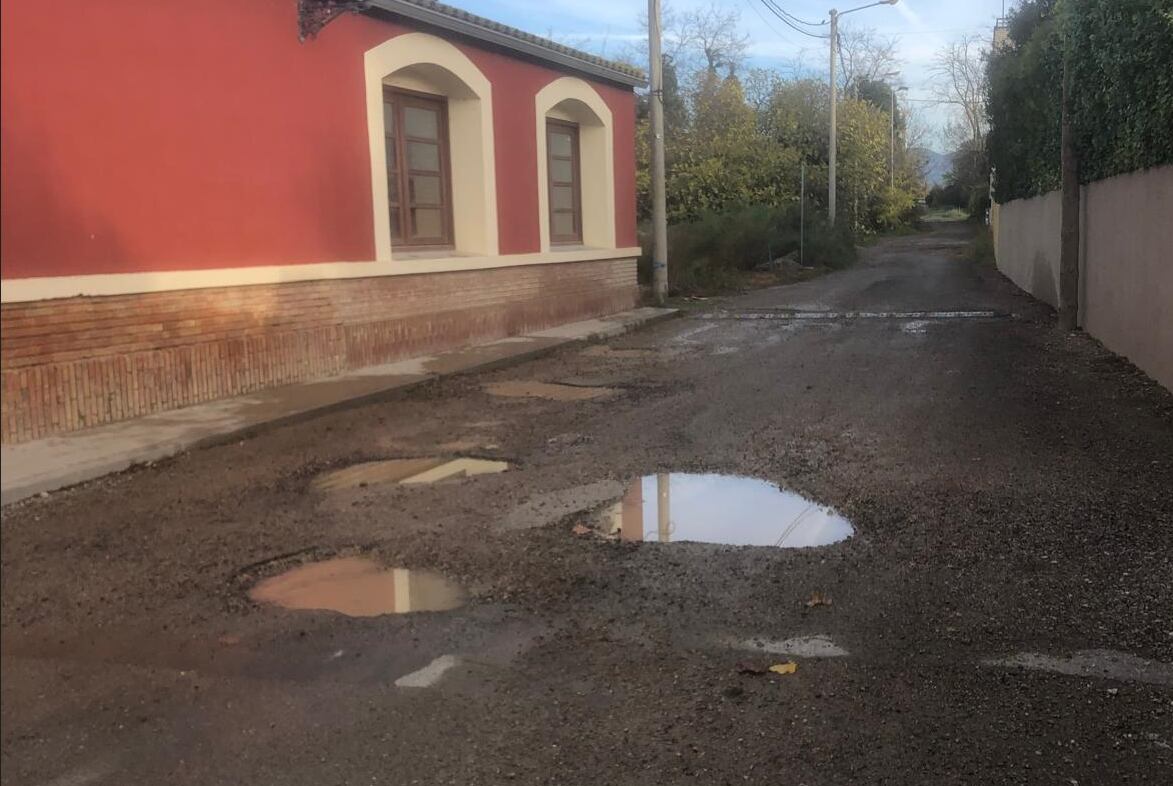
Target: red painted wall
149, 136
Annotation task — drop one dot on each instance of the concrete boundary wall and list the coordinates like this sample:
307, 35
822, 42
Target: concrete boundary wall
1126, 262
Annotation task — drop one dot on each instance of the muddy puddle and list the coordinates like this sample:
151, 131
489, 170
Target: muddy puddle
547, 390
726, 509
359, 587
406, 471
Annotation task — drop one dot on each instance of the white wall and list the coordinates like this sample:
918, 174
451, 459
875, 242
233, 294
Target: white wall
1126, 262
1026, 244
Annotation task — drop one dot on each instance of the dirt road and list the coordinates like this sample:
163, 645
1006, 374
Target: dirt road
1002, 614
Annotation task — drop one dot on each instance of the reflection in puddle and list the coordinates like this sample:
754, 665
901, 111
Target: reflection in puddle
546, 390
359, 588
727, 509
423, 470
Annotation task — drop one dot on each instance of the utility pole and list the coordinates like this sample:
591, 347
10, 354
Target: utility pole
833, 153
663, 517
802, 215
892, 138
659, 198
1069, 220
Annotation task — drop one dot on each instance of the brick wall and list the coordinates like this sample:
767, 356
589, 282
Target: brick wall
79, 362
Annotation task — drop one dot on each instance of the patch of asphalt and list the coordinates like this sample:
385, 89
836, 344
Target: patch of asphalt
429, 675
1102, 664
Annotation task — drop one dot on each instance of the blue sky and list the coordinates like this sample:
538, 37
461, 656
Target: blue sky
923, 26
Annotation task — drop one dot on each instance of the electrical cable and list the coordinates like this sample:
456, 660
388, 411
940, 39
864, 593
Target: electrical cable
782, 15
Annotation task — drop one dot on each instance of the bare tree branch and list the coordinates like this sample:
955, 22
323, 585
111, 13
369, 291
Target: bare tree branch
960, 72
865, 56
711, 36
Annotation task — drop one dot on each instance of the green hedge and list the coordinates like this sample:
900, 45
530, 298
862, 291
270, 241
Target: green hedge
1122, 98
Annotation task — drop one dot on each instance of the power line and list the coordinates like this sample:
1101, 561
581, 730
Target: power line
766, 22
777, 11
794, 18
790, 20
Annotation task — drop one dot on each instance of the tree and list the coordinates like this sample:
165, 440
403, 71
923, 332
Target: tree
759, 85
863, 156
969, 180
711, 36
960, 72
865, 56
878, 93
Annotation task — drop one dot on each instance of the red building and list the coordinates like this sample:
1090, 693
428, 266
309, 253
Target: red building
203, 199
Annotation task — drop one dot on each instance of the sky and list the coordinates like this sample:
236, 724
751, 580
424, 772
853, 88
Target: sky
921, 26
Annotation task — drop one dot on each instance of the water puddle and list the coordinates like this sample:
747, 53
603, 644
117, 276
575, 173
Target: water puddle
406, 471
547, 390
726, 509
358, 587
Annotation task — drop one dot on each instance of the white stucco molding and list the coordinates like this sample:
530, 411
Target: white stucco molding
425, 62
570, 98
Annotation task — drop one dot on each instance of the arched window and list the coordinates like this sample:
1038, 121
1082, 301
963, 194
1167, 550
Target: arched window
429, 115
576, 170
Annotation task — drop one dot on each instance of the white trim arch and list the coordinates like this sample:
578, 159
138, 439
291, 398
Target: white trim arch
429, 64
570, 98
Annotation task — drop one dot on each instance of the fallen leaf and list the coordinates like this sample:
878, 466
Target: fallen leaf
789, 667
581, 529
818, 599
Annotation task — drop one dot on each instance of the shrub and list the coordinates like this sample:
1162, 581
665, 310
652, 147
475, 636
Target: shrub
708, 254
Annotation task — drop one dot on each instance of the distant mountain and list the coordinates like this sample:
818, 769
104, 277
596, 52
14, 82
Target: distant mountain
937, 165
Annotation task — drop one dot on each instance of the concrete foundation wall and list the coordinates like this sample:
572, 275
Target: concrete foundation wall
1126, 262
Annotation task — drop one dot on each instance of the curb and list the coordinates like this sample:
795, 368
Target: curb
168, 448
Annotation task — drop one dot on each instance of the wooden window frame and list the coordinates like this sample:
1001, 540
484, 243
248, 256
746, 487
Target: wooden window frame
399, 98
576, 185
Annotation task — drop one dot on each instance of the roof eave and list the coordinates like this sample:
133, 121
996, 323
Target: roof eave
434, 18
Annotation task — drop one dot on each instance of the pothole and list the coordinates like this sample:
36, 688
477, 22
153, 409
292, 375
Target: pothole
725, 509
547, 390
406, 471
359, 587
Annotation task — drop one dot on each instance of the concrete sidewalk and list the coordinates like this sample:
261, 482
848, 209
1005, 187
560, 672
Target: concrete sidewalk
56, 462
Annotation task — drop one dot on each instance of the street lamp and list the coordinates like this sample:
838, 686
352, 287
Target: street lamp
835, 99
892, 91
